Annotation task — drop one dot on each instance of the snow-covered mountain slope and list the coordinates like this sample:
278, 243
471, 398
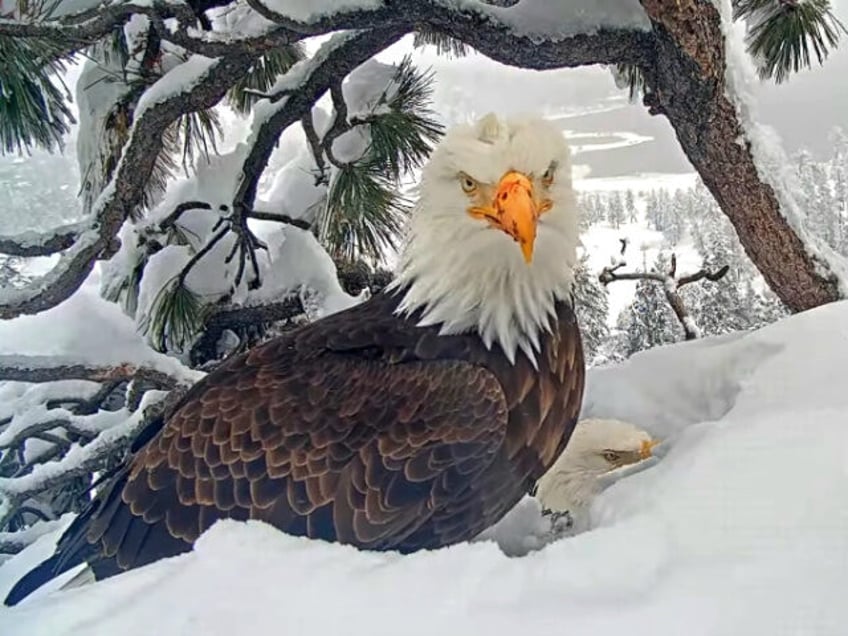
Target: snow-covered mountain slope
741, 528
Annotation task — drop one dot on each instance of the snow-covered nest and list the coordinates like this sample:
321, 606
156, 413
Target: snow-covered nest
742, 528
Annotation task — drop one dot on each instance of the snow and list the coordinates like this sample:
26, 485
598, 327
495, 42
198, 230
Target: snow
308, 11
738, 529
179, 79
117, 425
11, 296
554, 20
299, 264
690, 326
34, 239
85, 329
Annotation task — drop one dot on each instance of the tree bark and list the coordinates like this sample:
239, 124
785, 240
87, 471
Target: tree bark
686, 83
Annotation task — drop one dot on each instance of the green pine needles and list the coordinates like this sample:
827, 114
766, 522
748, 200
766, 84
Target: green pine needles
33, 100
364, 212
244, 94
175, 317
782, 33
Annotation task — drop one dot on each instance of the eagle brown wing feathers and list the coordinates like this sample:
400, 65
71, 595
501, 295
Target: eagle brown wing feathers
360, 428
353, 440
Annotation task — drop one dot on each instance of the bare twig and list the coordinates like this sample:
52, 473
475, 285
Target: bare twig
38, 428
322, 176
179, 210
671, 286
87, 406
279, 218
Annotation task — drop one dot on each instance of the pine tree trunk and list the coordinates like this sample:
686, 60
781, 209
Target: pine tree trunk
688, 87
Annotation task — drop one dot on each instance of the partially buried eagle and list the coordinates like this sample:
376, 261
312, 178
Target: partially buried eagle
413, 420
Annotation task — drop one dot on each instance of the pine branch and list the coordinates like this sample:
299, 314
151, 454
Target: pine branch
671, 283
77, 31
247, 91
782, 32
445, 44
41, 244
334, 61
125, 188
80, 461
33, 104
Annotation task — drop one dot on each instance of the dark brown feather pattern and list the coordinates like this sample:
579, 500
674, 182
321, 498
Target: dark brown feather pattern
360, 428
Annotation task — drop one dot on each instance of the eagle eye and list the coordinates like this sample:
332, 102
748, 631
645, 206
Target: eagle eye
548, 176
469, 185
611, 456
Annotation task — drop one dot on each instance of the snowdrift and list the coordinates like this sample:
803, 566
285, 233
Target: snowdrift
741, 528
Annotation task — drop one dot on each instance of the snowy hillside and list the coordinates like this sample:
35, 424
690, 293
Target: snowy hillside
740, 528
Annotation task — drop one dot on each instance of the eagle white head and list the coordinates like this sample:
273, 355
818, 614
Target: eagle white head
493, 237
596, 447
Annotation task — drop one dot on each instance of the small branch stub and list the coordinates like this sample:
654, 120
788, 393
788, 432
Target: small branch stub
671, 283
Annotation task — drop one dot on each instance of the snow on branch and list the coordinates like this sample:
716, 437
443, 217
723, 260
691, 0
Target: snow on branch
297, 92
53, 368
81, 460
187, 88
32, 243
14, 542
543, 21
671, 283
75, 31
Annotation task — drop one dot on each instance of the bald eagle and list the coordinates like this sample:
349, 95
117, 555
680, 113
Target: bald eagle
597, 447
411, 421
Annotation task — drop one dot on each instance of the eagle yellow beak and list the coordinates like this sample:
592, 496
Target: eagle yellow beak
514, 211
647, 447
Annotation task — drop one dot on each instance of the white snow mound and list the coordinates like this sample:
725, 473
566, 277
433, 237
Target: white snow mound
741, 528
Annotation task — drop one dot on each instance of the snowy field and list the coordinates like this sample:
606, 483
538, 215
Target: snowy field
740, 529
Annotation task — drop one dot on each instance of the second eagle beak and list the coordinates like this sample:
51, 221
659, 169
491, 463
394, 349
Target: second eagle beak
514, 211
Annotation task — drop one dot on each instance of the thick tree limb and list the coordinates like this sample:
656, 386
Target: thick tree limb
687, 84
52, 369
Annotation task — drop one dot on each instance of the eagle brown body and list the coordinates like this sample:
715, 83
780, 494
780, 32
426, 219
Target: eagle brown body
411, 421
360, 428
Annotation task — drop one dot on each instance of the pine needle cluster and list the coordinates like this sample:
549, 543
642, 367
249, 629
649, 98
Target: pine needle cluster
365, 213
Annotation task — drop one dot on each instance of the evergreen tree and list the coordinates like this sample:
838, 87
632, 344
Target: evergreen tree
649, 321
630, 207
615, 210
651, 209
591, 303
839, 170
